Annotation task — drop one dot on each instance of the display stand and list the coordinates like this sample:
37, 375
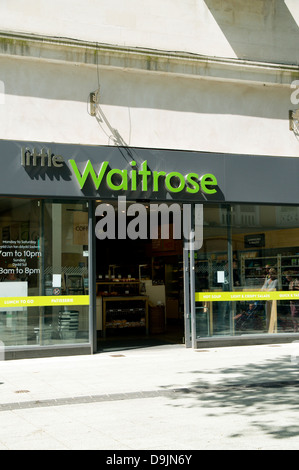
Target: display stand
273, 317
125, 312
74, 284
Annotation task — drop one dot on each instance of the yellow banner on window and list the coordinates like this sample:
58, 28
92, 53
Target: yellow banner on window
245, 296
44, 301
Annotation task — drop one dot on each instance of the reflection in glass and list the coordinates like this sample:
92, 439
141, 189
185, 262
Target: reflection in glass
20, 267
65, 269
44, 252
253, 250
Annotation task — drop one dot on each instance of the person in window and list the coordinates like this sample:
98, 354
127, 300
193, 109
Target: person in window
267, 269
293, 281
250, 319
11, 275
271, 280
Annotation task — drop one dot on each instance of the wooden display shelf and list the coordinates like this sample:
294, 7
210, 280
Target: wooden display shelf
118, 287
120, 281
123, 323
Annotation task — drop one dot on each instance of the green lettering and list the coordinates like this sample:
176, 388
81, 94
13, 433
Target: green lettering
208, 180
133, 178
189, 180
144, 173
156, 175
124, 183
89, 170
174, 174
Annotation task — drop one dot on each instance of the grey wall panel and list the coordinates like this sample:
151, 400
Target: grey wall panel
241, 178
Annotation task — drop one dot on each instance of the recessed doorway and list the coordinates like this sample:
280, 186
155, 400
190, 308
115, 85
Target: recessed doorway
139, 287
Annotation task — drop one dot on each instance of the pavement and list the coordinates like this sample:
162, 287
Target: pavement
160, 398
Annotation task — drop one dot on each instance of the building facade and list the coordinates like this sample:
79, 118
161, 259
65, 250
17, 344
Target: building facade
188, 106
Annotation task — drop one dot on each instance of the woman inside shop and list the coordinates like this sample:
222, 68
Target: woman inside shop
271, 280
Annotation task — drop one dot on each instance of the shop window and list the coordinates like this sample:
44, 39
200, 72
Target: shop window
66, 270
43, 272
256, 247
246, 214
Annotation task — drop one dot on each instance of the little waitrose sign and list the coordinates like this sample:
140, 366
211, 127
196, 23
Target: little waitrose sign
44, 158
124, 180
131, 179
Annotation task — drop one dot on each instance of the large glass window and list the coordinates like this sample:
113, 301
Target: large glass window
249, 268
44, 273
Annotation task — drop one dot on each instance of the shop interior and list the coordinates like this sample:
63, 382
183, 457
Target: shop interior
139, 282
140, 293
262, 239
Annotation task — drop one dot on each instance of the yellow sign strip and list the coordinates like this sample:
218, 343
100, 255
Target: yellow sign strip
245, 296
44, 301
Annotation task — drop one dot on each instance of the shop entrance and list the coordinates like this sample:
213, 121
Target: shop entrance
139, 285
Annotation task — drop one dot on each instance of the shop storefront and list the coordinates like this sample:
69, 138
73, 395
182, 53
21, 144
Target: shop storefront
84, 256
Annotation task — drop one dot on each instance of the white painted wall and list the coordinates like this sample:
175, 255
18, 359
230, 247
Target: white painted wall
48, 102
257, 29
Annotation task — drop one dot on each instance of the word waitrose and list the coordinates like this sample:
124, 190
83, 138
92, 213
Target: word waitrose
174, 181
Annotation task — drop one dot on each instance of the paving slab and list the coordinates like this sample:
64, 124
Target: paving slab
159, 398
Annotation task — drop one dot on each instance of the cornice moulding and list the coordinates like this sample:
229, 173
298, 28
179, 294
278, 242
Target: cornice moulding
138, 59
